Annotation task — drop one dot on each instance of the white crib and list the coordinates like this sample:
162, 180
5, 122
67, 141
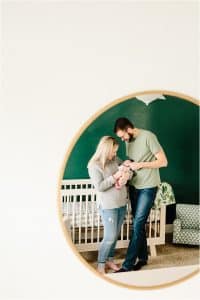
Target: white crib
82, 220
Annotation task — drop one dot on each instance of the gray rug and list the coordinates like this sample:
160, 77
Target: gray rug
168, 255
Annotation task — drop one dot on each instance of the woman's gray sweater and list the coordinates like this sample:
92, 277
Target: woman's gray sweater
108, 196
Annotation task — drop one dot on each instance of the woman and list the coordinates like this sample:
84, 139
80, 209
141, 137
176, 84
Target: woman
104, 173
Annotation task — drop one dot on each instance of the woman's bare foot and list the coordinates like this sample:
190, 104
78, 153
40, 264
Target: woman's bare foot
111, 265
101, 270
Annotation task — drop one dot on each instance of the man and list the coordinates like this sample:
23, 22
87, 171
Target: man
147, 155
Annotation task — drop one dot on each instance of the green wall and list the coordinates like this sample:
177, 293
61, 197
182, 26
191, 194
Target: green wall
174, 121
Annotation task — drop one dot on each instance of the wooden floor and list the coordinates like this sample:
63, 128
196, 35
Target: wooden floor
153, 278
171, 263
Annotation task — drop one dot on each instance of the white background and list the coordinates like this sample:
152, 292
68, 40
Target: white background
62, 62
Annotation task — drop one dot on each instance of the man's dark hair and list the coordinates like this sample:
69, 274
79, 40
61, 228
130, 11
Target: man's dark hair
122, 124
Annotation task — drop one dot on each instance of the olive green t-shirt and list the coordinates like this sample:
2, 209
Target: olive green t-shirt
143, 149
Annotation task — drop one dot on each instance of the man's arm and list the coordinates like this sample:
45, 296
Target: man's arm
161, 161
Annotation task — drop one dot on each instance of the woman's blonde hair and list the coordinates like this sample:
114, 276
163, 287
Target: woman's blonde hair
104, 148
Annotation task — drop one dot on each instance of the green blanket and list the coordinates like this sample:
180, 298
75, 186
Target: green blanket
165, 195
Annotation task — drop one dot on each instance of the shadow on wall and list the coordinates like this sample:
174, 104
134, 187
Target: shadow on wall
174, 120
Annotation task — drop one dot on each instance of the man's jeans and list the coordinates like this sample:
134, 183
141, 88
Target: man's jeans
141, 202
112, 220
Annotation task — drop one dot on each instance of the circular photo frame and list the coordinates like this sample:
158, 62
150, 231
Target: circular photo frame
172, 226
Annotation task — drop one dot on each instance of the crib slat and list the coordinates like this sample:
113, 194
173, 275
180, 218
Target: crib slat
98, 228
155, 218
128, 217
162, 223
86, 217
92, 219
73, 219
80, 221
122, 232
150, 222
67, 201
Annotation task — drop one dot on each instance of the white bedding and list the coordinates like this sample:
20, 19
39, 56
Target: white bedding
76, 216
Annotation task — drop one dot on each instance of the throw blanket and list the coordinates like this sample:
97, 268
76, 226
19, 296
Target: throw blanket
165, 195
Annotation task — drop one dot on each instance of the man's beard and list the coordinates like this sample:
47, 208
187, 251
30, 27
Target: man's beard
131, 137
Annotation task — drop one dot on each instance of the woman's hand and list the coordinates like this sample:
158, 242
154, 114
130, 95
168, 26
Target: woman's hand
117, 175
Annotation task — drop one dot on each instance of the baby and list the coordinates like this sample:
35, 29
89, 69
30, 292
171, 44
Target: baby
126, 175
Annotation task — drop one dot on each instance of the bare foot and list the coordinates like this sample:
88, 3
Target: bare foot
111, 265
101, 271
